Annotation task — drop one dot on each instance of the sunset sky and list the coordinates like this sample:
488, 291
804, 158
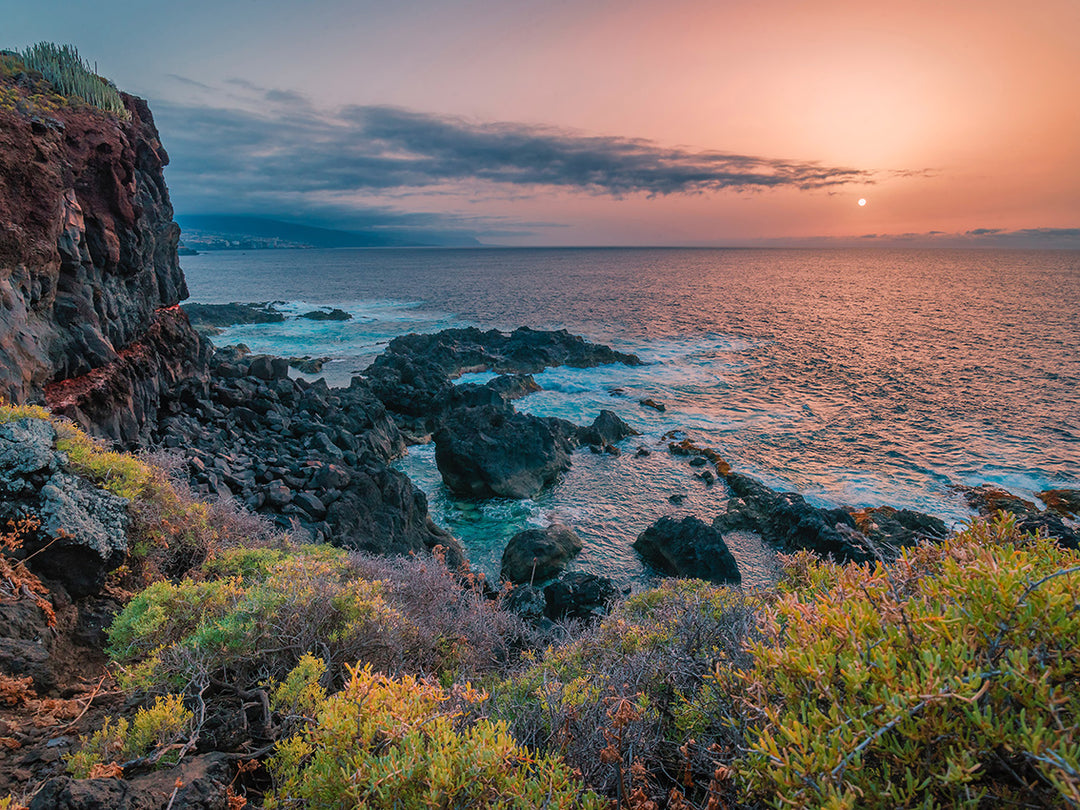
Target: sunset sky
625, 122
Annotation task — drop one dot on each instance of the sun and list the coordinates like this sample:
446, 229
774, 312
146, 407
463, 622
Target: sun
862, 201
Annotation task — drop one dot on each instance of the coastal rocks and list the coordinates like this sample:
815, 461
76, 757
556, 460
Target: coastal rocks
78, 532
312, 458
327, 315
786, 519
211, 318
492, 451
605, 431
536, 555
578, 595
308, 365
652, 403
415, 369
894, 528
688, 548
988, 499
119, 401
1066, 502
699, 455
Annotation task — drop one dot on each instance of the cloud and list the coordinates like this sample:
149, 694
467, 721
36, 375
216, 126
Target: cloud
272, 148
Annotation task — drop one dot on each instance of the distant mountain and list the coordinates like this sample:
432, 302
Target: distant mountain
228, 232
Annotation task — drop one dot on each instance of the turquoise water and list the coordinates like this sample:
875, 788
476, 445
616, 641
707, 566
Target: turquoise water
853, 377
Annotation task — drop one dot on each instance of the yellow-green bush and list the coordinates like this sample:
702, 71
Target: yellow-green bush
157, 732
405, 743
12, 413
120, 473
950, 679
175, 633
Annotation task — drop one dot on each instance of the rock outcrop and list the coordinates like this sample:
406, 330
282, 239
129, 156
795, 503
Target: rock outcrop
88, 262
988, 499
537, 555
688, 548
310, 457
77, 531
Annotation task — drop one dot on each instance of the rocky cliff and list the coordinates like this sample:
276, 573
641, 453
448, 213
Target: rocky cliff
89, 274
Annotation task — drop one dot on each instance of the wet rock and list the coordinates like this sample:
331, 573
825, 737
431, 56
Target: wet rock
217, 316
688, 548
490, 452
988, 499
1065, 502
652, 403
606, 430
537, 555
578, 595
513, 386
642, 453
327, 315
308, 365
414, 370
696, 453
895, 528
786, 519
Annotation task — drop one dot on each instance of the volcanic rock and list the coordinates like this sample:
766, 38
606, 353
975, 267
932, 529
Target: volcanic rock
578, 595
688, 548
536, 555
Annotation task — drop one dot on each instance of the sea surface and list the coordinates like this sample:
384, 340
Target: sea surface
855, 377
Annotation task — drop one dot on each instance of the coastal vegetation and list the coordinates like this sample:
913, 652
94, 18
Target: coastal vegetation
70, 76
947, 678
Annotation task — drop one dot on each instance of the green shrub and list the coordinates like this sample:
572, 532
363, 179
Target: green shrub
157, 732
13, 413
950, 679
405, 743
70, 76
249, 630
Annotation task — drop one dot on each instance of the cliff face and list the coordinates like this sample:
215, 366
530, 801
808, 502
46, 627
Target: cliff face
88, 265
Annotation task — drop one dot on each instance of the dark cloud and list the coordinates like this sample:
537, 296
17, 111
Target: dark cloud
276, 149
983, 231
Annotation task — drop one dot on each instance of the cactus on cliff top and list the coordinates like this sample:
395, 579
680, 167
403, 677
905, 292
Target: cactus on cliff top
70, 75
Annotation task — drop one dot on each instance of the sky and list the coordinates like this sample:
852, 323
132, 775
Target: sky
631, 122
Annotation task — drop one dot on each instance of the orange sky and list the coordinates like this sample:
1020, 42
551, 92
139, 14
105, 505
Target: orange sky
984, 95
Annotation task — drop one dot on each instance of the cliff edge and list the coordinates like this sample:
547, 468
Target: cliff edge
89, 274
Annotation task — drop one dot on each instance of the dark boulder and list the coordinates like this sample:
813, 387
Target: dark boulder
578, 595
652, 403
894, 528
490, 452
215, 316
606, 430
536, 555
688, 548
527, 601
327, 315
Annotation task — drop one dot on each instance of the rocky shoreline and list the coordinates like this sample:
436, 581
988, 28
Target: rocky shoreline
91, 327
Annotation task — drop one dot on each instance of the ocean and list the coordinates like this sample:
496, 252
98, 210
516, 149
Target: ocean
854, 377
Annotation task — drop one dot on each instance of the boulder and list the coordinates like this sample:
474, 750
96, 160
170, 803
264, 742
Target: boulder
606, 430
988, 499
578, 595
494, 451
537, 555
327, 315
527, 601
688, 548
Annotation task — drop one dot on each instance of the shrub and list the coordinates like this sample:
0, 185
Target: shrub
120, 473
244, 631
70, 75
949, 679
154, 734
627, 695
388, 743
259, 610
13, 413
